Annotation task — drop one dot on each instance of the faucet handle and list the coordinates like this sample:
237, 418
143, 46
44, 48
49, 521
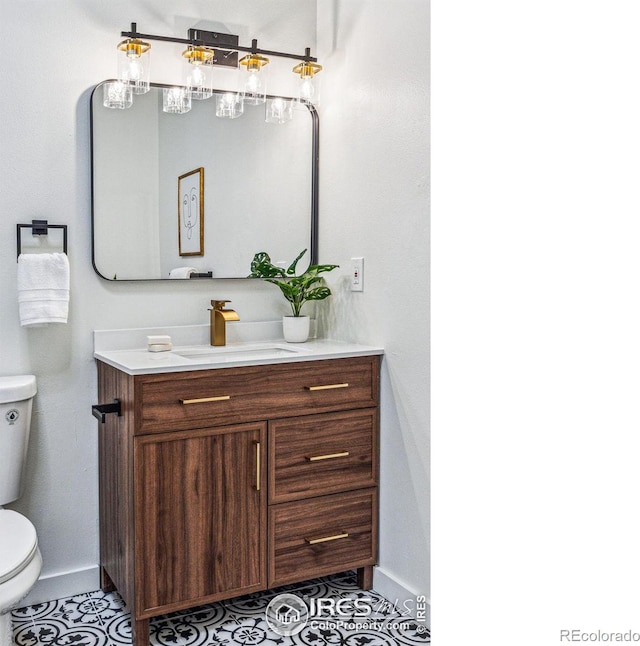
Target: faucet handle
218, 304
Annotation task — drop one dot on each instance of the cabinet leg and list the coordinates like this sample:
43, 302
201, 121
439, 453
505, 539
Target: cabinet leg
139, 632
365, 577
106, 584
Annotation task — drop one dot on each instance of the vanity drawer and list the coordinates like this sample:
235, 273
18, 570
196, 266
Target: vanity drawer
321, 536
204, 398
322, 454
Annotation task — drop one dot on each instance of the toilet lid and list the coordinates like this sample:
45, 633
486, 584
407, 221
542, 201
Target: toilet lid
17, 388
18, 543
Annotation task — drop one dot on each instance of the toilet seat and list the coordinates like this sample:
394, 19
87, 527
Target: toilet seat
18, 543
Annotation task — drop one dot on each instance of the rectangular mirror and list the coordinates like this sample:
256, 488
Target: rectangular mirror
245, 186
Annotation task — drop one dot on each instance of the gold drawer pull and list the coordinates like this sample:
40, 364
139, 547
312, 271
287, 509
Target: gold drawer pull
327, 387
315, 541
330, 456
257, 466
203, 400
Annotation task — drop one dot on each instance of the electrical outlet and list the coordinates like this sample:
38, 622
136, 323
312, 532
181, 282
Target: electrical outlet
357, 274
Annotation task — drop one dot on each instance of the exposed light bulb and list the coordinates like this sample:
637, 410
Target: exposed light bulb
199, 82
198, 73
253, 83
133, 64
197, 76
307, 90
135, 69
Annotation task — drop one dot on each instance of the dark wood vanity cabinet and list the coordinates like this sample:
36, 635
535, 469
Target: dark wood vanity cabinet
219, 483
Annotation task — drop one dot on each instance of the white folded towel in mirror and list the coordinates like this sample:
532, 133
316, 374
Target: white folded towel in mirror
43, 288
182, 272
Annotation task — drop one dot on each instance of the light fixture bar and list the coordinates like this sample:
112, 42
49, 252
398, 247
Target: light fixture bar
222, 42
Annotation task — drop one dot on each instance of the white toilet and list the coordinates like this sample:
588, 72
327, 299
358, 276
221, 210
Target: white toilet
20, 559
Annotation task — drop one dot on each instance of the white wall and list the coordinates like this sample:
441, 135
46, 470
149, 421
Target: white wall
374, 174
374, 203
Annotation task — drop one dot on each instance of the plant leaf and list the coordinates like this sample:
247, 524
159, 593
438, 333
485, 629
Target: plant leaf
318, 294
319, 269
287, 290
291, 269
262, 267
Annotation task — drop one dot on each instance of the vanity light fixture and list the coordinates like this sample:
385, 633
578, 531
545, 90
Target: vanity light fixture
199, 78
253, 84
206, 50
133, 64
308, 87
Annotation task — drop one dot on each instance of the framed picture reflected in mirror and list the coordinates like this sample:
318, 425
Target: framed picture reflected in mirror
191, 213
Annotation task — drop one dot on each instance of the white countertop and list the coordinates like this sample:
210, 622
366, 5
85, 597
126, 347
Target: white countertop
253, 344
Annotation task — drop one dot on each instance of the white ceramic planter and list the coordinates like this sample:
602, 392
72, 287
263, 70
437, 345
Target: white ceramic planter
295, 328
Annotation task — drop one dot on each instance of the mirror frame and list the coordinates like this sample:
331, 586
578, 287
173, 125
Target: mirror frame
315, 143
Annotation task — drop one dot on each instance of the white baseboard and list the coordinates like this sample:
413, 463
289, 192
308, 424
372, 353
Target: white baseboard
402, 595
63, 584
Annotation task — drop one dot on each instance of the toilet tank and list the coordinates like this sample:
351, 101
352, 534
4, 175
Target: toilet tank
16, 398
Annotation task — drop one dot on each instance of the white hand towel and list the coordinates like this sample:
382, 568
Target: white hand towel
43, 288
182, 272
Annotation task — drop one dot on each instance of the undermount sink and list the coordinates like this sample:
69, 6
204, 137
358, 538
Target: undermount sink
255, 350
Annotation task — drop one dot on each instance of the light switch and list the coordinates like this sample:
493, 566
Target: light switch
357, 274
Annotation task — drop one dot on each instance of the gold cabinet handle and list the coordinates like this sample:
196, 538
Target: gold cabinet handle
257, 466
329, 456
335, 537
327, 387
203, 400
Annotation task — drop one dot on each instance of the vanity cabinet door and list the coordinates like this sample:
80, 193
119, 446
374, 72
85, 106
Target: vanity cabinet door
200, 516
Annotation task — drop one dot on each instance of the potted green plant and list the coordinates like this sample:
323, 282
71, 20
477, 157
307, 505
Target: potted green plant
308, 286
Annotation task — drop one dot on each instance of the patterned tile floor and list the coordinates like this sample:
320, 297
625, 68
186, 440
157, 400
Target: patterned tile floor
101, 619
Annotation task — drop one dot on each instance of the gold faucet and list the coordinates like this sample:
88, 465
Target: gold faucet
219, 318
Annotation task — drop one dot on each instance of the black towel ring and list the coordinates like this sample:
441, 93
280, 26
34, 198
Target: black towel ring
40, 228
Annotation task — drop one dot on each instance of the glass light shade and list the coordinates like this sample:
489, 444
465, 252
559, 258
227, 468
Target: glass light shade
229, 105
253, 78
308, 86
278, 110
176, 100
133, 64
199, 78
117, 95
